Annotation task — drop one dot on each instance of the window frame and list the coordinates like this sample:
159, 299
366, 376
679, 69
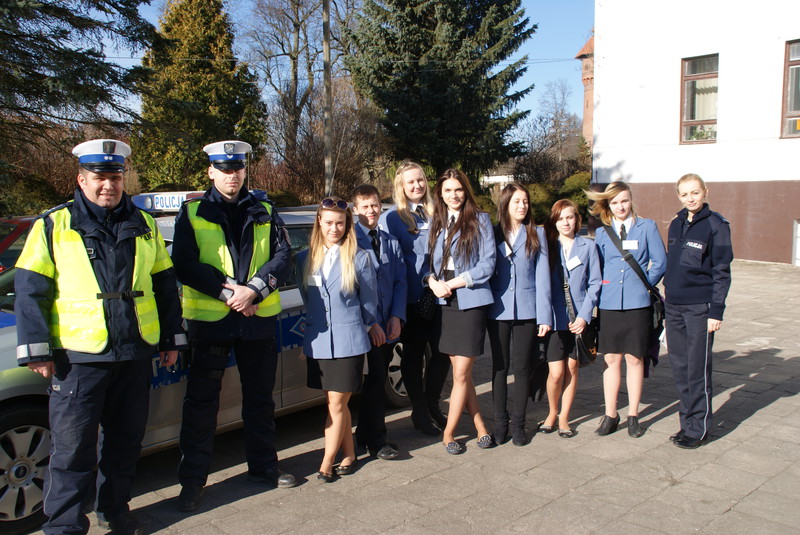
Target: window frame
684, 123
785, 113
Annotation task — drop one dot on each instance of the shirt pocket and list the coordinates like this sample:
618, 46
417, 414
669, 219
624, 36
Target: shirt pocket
692, 253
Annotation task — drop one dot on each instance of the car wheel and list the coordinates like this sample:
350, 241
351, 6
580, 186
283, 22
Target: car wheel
24, 456
395, 388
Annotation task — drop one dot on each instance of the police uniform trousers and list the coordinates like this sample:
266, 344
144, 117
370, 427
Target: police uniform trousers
105, 401
257, 361
689, 344
371, 429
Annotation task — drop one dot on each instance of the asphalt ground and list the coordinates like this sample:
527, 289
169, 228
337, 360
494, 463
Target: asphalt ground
745, 480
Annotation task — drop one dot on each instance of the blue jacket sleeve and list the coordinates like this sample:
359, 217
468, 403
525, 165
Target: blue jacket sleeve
544, 306
721, 258
593, 283
483, 269
400, 285
367, 288
656, 252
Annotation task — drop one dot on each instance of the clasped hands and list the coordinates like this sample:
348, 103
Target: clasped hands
439, 288
242, 299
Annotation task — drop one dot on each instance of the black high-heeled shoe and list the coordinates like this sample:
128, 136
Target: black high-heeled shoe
423, 422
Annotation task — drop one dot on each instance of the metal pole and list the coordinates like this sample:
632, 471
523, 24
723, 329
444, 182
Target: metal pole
328, 106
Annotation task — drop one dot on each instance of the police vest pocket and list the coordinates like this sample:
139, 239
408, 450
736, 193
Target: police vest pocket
692, 253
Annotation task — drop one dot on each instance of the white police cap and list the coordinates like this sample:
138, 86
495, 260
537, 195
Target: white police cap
102, 155
228, 154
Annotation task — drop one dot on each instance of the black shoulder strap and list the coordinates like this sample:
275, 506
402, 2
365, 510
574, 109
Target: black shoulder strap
628, 257
565, 286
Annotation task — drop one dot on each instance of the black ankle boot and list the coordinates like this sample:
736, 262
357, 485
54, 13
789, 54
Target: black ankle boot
437, 415
608, 425
422, 421
518, 436
501, 428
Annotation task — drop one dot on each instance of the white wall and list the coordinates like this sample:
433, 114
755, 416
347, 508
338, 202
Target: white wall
639, 46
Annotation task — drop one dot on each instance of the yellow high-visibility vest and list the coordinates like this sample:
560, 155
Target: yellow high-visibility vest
214, 251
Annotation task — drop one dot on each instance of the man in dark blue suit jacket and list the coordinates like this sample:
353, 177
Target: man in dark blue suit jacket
387, 258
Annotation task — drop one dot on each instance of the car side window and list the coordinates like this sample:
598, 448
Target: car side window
298, 239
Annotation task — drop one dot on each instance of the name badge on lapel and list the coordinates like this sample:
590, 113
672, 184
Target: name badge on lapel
423, 226
314, 280
384, 258
573, 262
630, 245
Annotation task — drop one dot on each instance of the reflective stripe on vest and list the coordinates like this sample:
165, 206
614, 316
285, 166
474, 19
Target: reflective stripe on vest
77, 317
214, 251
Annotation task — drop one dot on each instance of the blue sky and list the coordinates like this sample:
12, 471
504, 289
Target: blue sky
564, 27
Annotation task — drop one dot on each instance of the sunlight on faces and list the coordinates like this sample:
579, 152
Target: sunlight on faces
332, 223
566, 222
103, 189
621, 205
227, 181
518, 206
453, 194
414, 185
368, 210
692, 195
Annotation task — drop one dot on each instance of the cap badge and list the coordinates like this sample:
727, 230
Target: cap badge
109, 147
230, 148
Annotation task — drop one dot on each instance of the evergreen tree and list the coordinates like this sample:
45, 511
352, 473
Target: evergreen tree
197, 93
434, 68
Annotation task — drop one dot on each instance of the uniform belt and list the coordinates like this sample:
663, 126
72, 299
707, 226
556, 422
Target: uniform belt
129, 294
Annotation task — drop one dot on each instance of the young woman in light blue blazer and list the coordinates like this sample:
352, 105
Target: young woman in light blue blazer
521, 308
463, 257
574, 260
339, 290
624, 309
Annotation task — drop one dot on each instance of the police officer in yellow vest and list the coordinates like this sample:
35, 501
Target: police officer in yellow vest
231, 254
96, 299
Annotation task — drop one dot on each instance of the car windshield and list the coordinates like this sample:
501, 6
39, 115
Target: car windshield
11, 243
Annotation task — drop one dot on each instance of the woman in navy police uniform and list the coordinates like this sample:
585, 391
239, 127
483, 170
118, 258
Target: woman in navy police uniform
521, 308
463, 252
339, 290
625, 310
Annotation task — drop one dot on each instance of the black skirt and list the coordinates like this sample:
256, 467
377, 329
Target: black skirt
460, 332
336, 375
625, 331
559, 345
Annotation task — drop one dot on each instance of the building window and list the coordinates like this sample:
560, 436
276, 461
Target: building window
791, 101
700, 85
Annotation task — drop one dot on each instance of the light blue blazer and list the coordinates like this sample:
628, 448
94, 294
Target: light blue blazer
391, 273
521, 284
622, 289
584, 283
336, 324
476, 271
414, 247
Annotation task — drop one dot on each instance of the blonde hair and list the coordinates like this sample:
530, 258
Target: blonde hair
348, 248
688, 178
600, 207
400, 199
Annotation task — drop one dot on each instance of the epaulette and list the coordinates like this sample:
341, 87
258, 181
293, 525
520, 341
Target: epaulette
55, 209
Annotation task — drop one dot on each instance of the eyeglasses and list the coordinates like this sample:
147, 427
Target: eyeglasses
330, 204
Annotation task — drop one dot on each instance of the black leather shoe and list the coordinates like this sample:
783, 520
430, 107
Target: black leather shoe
437, 415
677, 436
423, 422
345, 470
124, 524
689, 443
634, 429
190, 497
388, 452
518, 436
327, 478
274, 477
607, 425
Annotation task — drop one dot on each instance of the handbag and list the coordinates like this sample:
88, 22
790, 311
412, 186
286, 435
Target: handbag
586, 342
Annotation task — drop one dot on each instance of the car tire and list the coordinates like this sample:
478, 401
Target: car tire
24, 456
395, 388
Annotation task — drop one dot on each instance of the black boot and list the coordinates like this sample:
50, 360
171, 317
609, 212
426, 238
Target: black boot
501, 427
437, 415
422, 422
518, 436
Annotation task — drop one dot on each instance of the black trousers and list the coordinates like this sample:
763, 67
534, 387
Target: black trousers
514, 346
371, 429
257, 361
113, 397
417, 333
689, 344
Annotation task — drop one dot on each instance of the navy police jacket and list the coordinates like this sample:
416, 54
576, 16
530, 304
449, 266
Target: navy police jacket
391, 274
520, 283
699, 261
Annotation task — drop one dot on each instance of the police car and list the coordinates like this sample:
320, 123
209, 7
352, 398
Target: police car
24, 430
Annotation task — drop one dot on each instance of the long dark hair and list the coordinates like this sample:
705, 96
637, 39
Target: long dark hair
532, 240
551, 232
467, 222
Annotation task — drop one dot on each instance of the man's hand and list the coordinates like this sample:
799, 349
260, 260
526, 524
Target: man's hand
242, 297
46, 369
393, 328
376, 335
714, 325
168, 358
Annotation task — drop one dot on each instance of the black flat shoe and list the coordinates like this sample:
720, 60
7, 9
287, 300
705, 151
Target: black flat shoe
634, 429
607, 425
486, 442
345, 470
454, 448
423, 422
546, 429
327, 478
567, 433
677, 436
688, 443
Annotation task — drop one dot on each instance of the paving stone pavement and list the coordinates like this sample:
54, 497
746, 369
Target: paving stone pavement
743, 481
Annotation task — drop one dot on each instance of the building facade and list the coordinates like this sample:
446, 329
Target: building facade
708, 88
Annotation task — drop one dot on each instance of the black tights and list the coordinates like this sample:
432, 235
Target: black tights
525, 351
